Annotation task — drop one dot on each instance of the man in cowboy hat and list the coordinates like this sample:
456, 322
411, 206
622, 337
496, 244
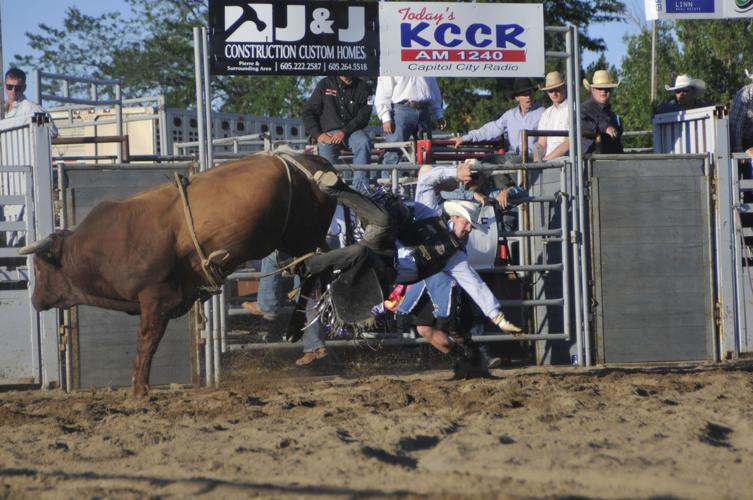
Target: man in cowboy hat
597, 116
555, 117
741, 119
687, 91
524, 116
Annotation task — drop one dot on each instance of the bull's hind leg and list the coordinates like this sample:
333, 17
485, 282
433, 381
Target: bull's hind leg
156, 303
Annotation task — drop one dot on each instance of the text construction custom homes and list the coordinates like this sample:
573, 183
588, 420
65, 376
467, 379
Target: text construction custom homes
461, 39
295, 38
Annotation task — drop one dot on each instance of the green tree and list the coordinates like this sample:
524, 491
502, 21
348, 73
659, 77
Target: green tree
717, 51
632, 100
151, 51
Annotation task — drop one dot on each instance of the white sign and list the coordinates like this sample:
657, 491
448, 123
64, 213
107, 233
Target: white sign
698, 9
461, 39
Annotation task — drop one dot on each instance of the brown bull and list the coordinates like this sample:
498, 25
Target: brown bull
138, 256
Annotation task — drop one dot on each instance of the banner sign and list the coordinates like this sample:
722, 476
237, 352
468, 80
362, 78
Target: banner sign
293, 38
698, 9
461, 39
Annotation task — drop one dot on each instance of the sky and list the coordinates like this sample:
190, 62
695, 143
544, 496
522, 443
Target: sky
17, 18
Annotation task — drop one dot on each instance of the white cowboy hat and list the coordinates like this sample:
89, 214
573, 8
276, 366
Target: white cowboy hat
465, 209
748, 74
602, 80
553, 80
685, 81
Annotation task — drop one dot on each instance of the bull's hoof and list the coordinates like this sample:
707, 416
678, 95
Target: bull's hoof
140, 391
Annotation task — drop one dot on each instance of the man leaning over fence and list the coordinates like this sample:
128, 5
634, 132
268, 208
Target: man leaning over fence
524, 116
597, 116
687, 91
335, 115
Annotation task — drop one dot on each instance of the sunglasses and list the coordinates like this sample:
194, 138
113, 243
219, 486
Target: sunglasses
19, 86
682, 91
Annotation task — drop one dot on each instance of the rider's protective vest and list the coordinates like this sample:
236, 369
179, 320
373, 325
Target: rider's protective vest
432, 242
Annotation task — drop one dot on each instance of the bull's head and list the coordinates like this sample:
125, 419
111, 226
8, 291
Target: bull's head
52, 287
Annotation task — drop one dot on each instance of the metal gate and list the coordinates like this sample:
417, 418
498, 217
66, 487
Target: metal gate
652, 258
103, 342
28, 339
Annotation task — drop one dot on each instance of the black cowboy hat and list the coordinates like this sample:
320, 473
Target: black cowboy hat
522, 86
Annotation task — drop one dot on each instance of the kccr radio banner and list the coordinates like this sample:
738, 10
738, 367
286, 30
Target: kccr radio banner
293, 38
461, 39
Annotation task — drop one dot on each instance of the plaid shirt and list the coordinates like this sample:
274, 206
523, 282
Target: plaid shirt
741, 119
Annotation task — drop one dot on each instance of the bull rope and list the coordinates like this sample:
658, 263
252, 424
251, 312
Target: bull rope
208, 264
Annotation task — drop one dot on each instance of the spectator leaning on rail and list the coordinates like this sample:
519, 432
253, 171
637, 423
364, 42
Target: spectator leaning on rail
687, 91
406, 106
597, 116
524, 116
741, 119
555, 117
336, 114
16, 103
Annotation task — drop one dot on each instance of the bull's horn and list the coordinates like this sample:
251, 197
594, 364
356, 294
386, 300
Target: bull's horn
37, 246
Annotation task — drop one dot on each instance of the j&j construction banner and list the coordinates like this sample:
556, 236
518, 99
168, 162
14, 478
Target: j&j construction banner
461, 39
698, 9
373, 38
293, 38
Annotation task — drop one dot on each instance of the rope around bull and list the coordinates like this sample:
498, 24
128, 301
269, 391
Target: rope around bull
209, 265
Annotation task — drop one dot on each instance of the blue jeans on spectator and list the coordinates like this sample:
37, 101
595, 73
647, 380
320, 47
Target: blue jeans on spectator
360, 144
409, 122
271, 297
313, 337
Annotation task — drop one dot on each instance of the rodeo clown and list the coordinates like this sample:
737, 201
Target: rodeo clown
427, 252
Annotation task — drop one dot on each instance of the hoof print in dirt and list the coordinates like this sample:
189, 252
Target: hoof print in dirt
304, 403
345, 436
716, 435
506, 440
643, 392
389, 458
514, 403
286, 443
670, 402
418, 443
254, 401
58, 446
70, 429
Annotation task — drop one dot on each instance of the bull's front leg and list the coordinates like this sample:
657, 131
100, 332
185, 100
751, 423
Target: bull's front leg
155, 304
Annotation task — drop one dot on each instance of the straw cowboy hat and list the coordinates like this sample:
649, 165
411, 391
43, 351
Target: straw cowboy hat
552, 81
602, 80
465, 209
685, 81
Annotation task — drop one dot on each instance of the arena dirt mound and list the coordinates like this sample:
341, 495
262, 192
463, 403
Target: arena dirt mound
683, 432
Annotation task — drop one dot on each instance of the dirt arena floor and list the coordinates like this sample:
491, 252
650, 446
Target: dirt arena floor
527, 433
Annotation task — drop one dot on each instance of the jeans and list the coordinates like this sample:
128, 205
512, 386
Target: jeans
270, 296
359, 143
409, 122
312, 338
